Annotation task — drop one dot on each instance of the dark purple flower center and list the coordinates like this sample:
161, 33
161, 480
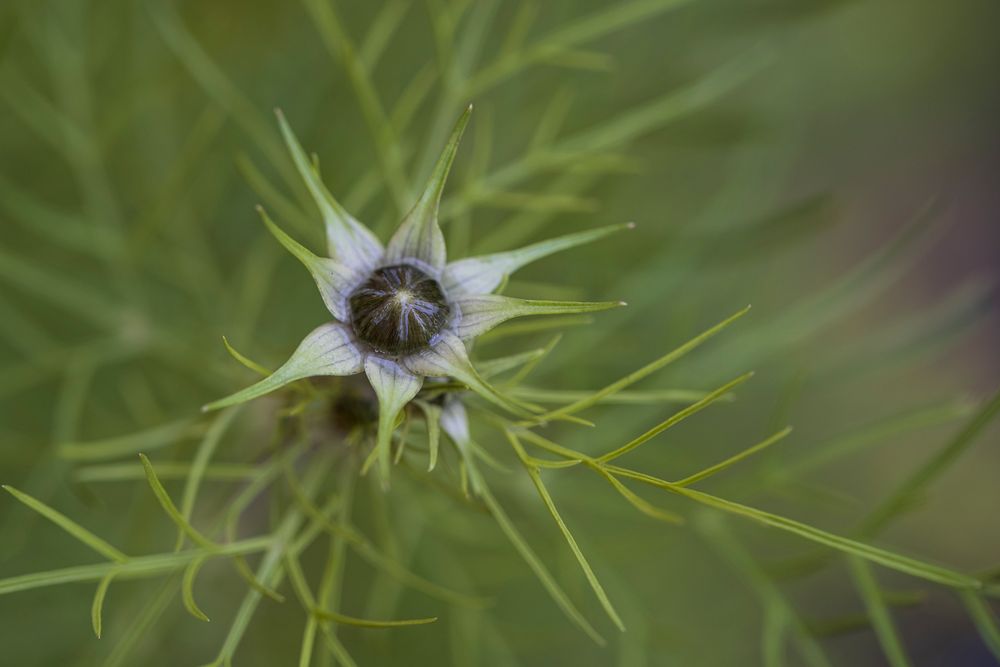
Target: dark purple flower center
398, 310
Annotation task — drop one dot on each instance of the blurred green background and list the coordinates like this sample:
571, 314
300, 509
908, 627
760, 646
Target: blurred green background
772, 152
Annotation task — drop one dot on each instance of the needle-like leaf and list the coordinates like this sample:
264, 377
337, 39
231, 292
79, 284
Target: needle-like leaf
97, 606
885, 629
550, 505
533, 561
676, 418
187, 588
70, 526
643, 372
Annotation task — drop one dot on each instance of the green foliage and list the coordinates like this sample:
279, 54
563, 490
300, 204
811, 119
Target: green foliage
139, 140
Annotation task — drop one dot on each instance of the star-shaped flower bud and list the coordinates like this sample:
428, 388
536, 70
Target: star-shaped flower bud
401, 312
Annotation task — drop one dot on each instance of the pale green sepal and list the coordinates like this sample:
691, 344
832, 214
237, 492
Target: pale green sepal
482, 275
328, 350
419, 235
334, 279
432, 415
448, 358
394, 386
455, 422
482, 313
350, 242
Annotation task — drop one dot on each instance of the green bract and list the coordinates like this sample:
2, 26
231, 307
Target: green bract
401, 311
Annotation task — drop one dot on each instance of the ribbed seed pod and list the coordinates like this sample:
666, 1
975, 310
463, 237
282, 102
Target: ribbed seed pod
399, 310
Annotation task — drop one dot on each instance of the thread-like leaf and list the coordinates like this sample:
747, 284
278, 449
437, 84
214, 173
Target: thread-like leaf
676, 418
533, 561
128, 445
196, 536
878, 613
568, 36
491, 367
187, 588
334, 645
271, 567
526, 328
643, 372
339, 43
121, 472
97, 606
216, 85
638, 501
70, 526
780, 615
73, 295
137, 567
528, 368
937, 464
870, 434
171, 509
567, 396
343, 619
844, 623
889, 559
244, 360
201, 460
984, 619
736, 458
370, 553
308, 600
550, 505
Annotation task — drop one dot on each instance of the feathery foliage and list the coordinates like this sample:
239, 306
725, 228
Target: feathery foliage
140, 140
